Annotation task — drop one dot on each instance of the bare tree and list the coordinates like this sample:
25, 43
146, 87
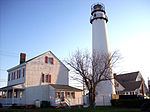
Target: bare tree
93, 69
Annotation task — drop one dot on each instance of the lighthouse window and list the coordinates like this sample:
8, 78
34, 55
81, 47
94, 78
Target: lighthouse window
94, 15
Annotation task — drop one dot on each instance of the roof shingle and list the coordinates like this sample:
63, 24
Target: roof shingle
128, 81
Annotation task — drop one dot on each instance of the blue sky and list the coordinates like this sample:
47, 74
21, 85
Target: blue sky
62, 26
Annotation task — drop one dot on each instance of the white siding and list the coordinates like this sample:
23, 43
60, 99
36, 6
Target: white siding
34, 93
35, 88
52, 95
37, 66
19, 80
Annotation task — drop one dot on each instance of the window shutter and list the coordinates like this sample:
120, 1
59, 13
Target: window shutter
56, 94
49, 78
19, 73
46, 59
42, 77
66, 94
52, 60
23, 71
74, 95
9, 77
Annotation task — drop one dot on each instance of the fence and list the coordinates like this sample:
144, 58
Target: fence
101, 100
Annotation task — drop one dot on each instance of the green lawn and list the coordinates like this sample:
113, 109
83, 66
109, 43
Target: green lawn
97, 109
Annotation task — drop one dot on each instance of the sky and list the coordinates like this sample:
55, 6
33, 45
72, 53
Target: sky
62, 26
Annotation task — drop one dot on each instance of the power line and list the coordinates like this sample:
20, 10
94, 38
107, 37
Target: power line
1, 51
8, 55
3, 69
3, 81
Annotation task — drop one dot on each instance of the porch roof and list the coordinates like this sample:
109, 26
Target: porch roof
16, 87
65, 87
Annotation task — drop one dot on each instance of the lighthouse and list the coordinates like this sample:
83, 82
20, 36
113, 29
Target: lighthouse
98, 20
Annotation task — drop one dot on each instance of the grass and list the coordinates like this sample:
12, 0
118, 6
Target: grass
97, 109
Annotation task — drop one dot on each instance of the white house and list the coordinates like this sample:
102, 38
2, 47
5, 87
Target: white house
42, 78
130, 84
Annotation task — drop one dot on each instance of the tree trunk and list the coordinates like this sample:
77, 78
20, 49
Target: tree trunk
92, 96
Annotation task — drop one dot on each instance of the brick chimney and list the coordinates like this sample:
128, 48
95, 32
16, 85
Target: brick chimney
114, 75
22, 58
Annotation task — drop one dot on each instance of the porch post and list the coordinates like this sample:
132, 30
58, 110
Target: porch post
2, 93
13, 96
7, 96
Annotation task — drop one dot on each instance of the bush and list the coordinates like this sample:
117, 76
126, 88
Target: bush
14, 106
45, 104
1, 105
130, 103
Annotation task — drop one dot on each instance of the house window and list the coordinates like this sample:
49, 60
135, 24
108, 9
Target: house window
15, 94
11, 75
14, 75
68, 94
51, 60
62, 95
139, 79
19, 73
73, 95
47, 77
57, 94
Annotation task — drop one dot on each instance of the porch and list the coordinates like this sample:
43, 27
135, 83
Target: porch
65, 95
11, 95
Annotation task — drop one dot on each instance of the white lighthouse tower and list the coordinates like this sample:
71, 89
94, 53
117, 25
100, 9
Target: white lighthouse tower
100, 45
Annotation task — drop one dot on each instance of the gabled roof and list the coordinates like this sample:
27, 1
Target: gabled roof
132, 85
128, 81
127, 77
34, 58
44, 53
64, 87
